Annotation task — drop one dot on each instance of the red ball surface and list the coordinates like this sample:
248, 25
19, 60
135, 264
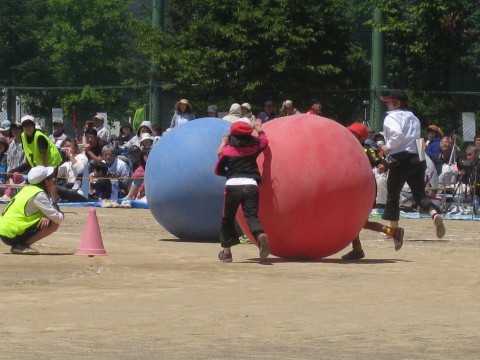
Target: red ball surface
317, 187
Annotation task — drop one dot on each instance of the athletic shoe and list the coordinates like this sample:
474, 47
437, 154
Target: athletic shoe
114, 203
23, 250
354, 255
5, 198
398, 238
264, 248
245, 240
439, 227
126, 204
106, 204
225, 257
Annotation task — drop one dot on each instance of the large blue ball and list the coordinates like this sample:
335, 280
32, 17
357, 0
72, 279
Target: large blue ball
184, 195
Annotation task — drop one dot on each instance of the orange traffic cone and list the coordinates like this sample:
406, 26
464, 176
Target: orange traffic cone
91, 244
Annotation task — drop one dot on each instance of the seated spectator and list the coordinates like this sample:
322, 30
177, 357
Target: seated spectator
5, 130
146, 142
289, 109
15, 158
234, 113
100, 184
434, 135
72, 172
183, 113
117, 168
126, 133
268, 113
102, 131
443, 157
315, 107
212, 111
156, 131
381, 176
145, 127
476, 140
3, 159
138, 161
58, 135
94, 146
246, 109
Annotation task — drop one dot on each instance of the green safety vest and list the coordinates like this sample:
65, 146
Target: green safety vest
32, 152
14, 221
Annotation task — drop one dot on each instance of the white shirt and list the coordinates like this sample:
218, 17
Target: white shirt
103, 133
401, 129
41, 202
119, 168
240, 181
71, 171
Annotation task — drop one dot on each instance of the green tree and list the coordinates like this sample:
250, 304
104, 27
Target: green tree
254, 49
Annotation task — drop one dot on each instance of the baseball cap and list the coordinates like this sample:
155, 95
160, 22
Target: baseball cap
26, 118
394, 94
5, 125
58, 121
39, 173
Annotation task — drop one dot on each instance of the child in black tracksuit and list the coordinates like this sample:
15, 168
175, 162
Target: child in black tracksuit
238, 163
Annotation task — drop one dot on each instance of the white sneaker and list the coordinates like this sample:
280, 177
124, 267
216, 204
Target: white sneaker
106, 204
127, 203
23, 250
114, 204
5, 198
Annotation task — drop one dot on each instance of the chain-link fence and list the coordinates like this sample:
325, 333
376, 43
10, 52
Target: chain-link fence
444, 109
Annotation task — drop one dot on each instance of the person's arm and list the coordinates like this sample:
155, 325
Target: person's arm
222, 144
174, 120
42, 203
262, 137
43, 146
91, 155
79, 162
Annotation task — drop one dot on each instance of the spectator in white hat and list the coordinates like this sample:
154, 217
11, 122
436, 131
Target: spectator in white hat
31, 217
58, 135
247, 112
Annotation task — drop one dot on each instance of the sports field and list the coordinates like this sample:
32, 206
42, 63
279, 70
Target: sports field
156, 298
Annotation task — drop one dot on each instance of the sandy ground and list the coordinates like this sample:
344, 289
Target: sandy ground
156, 298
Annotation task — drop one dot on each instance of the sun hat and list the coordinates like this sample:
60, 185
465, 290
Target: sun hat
247, 106
39, 173
436, 129
241, 128
26, 118
5, 125
212, 109
394, 94
360, 130
146, 136
183, 101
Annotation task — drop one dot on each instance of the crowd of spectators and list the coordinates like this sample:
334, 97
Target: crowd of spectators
100, 166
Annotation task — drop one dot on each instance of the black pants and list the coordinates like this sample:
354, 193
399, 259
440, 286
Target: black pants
412, 171
70, 195
236, 195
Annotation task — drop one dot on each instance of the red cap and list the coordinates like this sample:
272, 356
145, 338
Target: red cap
240, 128
360, 130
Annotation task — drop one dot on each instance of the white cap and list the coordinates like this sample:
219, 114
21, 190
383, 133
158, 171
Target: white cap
5, 125
146, 136
27, 118
288, 103
99, 117
39, 173
245, 120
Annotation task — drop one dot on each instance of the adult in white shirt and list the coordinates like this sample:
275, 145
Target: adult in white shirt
72, 173
402, 129
102, 131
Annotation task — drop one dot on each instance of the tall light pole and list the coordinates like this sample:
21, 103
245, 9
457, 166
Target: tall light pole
158, 21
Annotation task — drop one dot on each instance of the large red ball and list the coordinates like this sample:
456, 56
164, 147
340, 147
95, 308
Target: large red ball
317, 187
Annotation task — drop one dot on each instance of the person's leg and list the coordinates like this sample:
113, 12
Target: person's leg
69, 195
395, 232
395, 182
250, 200
415, 180
228, 235
357, 250
42, 233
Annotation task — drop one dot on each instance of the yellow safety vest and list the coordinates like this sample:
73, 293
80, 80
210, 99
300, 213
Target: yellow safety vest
32, 152
14, 221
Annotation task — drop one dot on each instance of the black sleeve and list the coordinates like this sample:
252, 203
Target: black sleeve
42, 143
22, 168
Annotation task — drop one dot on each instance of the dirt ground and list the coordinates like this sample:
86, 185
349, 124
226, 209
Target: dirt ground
156, 298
